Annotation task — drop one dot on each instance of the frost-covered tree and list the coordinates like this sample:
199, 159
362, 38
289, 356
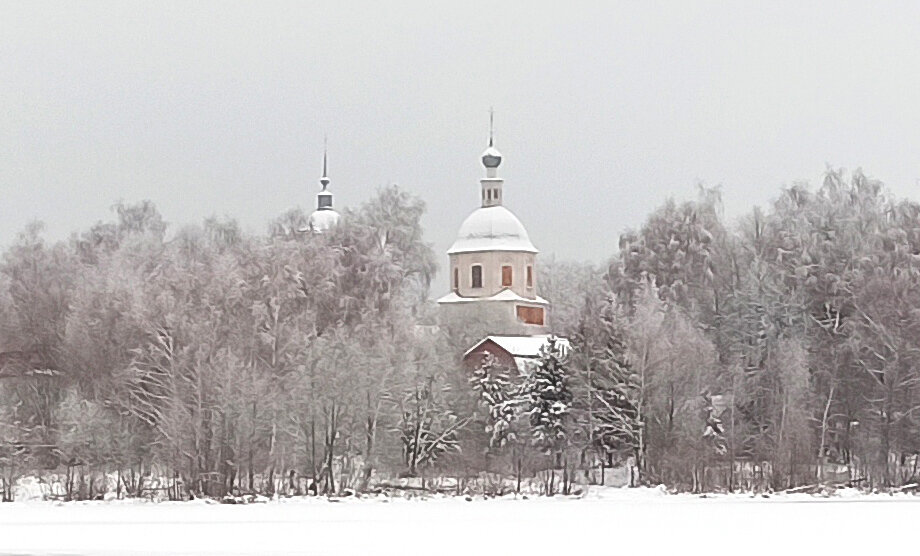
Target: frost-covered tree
499, 391
549, 406
674, 364
567, 285
428, 429
606, 388
684, 248
38, 279
499, 397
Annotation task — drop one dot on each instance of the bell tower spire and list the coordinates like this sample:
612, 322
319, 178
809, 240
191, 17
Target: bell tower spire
324, 197
324, 217
324, 180
491, 159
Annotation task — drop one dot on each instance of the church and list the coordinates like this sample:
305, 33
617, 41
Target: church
324, 217
492, 273
493, 279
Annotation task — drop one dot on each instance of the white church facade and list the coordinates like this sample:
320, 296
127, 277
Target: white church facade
493, 274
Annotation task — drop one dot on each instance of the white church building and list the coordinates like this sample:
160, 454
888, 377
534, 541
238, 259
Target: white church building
493, 276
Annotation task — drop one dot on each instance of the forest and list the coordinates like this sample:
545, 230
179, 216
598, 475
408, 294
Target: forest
777, 350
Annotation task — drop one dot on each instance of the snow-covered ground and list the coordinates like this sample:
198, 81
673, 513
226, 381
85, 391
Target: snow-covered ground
606, 521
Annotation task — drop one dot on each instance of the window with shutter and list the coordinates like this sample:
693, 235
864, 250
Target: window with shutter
530, 315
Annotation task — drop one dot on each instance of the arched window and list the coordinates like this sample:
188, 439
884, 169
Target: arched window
456, 278
476, 275
506, 276
530, 276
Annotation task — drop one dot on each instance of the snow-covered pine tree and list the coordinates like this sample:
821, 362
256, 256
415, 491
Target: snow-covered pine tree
492, 382
608, 389
549, 399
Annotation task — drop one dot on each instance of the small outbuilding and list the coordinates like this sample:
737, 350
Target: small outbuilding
520, 352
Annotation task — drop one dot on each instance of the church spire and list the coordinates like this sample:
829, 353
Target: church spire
324, 180
491, 159
324, 197
324, 217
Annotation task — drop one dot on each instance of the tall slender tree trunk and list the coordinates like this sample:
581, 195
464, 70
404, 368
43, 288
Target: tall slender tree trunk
819, 474
313, 467
886, 439
731, 440
271, 459
331, 432
519, 464
370, 440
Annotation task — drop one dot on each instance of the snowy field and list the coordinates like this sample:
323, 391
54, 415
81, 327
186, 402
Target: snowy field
605, 521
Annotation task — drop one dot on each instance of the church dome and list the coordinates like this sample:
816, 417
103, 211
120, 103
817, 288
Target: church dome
492, 229
491, 158
322, 220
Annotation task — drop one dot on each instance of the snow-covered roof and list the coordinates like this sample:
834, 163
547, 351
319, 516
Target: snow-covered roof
521, 346
491, 229
504, 295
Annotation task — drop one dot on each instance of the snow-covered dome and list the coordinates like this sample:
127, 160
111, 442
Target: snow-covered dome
491, 229
322, 220
491, 158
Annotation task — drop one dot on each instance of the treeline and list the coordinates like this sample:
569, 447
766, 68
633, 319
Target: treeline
222, 361
776, 351
771, 352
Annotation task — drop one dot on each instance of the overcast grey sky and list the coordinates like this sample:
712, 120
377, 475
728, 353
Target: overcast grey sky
602, 112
